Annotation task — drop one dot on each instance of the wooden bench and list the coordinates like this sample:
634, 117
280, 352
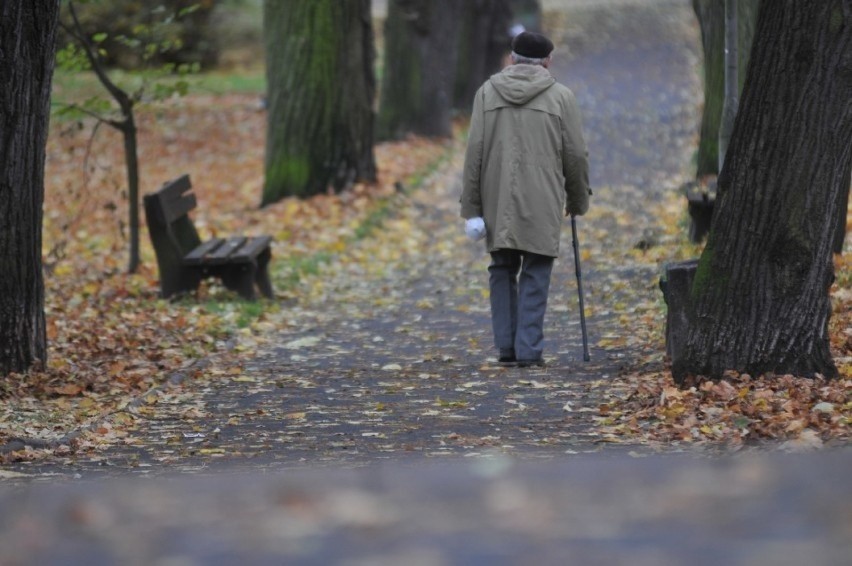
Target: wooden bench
184, 260
701, 201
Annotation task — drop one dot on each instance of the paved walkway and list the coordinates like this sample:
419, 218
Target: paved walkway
591, 511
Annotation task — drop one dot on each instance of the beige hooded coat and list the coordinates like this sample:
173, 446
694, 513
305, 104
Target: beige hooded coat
526, 164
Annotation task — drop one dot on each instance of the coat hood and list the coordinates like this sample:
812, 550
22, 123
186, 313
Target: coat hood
518, 84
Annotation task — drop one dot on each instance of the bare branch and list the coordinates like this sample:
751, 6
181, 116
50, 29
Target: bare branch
97, 66
89, 150
70, 30
95, 115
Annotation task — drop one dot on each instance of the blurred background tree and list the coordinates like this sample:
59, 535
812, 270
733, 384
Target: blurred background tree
484, 41
130, 23
438, 53
418, 85
711, 18
321, 95
527, 13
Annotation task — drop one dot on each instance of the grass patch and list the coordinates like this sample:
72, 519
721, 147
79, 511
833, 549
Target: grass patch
372, 222
249, 81
290, 271
76, 86
231, 312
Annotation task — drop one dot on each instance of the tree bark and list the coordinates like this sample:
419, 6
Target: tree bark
761, 292
322, 86
711, 18
732, 87
484, 41
418, 84
840, 222
27, 50
131, 158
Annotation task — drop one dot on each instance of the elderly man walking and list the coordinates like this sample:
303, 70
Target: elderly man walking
526, 166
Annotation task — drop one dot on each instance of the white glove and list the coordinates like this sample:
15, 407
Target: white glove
474, 228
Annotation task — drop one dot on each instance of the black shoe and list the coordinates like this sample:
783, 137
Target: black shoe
507, 360
506, 356
531, 363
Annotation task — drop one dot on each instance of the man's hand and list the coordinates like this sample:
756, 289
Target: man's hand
474, 228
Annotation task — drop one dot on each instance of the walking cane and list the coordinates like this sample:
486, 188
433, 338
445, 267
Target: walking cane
580, 289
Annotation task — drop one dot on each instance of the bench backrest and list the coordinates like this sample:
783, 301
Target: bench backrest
167, 213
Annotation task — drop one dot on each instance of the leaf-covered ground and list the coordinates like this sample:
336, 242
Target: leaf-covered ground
378, 343
110, 337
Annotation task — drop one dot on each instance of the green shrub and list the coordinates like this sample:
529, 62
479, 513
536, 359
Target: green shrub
179, 31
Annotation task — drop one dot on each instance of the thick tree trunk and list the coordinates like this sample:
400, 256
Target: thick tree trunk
321, 95
27, 43
761, 292
484, 41
711, 18
420, 65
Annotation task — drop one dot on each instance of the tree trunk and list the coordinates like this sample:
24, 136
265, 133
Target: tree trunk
484, 41
419, 78
840, 222
131, 157
761, 292
321, 95
732, 88
711, 18
27, 49
527, 13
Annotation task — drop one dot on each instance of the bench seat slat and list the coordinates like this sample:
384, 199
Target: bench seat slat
197, 256
223, 252
253, 248
226, 252
218, 251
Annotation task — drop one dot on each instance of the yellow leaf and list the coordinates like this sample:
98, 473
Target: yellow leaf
63, 269
212, 451
69, 389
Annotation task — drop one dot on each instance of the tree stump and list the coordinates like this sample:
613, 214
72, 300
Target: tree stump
676, 285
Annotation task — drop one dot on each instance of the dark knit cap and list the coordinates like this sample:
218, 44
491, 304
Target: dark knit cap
532, 45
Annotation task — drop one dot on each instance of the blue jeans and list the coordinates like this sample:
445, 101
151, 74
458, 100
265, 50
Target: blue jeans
520, 283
